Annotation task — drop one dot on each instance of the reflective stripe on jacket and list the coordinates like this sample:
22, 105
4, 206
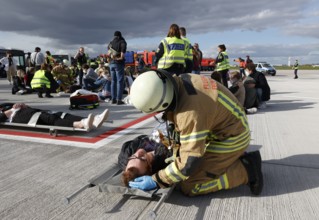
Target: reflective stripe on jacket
210, 121
174, 52
39, 79
188, 49
224, 64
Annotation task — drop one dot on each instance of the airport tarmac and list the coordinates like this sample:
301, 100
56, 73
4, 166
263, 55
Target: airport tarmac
37, 171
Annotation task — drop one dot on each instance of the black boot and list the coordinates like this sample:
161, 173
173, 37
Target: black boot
252, 163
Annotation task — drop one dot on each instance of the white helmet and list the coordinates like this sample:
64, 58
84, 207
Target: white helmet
153, 91
66, 62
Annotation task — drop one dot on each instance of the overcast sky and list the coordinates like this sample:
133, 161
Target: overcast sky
267, 30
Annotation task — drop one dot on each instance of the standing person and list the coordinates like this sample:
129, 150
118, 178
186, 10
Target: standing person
10, 66
49, 59
188, 51
248, 60
222, 64
199, 56
241, 63
196, 47
81, 59
170, 54
117, 49
296, 67
262, 87
28, 61
213, 140
37, 58
196, 63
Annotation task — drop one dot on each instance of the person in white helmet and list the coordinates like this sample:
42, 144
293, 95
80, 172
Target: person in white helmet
213, 130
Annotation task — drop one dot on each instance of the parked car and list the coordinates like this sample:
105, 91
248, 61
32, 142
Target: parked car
265, 68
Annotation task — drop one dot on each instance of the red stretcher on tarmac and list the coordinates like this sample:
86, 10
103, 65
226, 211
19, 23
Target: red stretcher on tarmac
110, 182
53, 130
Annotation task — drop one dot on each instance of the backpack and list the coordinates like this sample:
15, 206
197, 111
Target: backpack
80, 100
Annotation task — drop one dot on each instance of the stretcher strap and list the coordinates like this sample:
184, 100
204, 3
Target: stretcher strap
33, 120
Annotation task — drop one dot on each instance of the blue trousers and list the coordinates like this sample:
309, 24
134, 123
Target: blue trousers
117, 83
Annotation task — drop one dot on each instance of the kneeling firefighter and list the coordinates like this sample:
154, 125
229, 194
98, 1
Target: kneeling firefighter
213, 139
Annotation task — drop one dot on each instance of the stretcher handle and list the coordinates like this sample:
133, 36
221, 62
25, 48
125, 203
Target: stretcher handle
68, 199
164, 196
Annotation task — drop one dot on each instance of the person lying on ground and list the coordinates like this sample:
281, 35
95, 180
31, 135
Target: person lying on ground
22, 113
142, 156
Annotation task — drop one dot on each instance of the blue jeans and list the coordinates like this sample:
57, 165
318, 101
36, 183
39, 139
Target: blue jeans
117, 84
259, 94
196, 71
91, 84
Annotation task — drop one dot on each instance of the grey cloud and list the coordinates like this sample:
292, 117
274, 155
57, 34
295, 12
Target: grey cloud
276, 53
89, 22
309, 30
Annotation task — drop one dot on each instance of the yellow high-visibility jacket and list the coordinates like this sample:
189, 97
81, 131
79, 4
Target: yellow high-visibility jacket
209, 119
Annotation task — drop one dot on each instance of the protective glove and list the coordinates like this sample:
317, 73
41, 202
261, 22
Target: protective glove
144, 183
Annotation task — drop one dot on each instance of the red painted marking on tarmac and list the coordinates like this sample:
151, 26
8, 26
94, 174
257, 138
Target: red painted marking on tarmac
90, 140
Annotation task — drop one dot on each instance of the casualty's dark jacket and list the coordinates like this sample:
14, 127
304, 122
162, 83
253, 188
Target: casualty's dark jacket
261, 82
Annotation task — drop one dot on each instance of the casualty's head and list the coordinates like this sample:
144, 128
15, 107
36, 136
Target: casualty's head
154, 91
138, 164
143, 161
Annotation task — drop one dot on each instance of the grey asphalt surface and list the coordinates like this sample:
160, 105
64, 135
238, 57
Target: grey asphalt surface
35, 176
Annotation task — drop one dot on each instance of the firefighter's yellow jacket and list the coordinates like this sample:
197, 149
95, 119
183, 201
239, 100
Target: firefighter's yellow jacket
209, 119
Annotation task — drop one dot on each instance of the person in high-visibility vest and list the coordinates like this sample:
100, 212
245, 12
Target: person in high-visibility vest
170, 54
222, 64
296, 67
49, 59
43, 82
188, 51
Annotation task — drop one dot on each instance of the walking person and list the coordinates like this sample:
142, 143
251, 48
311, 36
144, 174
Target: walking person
10, 66
116, 50
222, 64
170, 54
296, 67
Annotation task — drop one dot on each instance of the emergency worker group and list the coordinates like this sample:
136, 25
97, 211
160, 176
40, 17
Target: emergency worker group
211, 123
